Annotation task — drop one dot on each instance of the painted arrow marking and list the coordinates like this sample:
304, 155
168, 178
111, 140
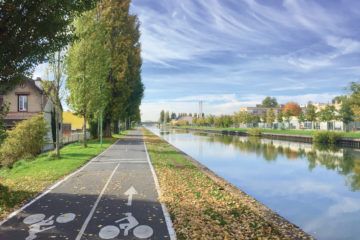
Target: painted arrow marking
130, 192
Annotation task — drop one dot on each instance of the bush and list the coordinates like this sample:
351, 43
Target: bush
254, 131
326, 137
27, 138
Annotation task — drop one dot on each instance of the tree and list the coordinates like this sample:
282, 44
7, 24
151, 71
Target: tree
327, 114
88, 64
301, 117
269, 102
173, 116
256, 119
264, 117
210, 119
279, 117
30, 30
167, 117
346, 114
162, 116
354, 99
294, 108
287, 117
270, 117
4, 109
310, 114
53, 90
124, 75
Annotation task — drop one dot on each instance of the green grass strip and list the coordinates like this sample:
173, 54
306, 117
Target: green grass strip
29, 177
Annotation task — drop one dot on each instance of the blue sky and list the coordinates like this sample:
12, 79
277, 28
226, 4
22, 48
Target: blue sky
233, 53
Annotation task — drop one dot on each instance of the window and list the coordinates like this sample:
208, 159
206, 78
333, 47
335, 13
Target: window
23, 103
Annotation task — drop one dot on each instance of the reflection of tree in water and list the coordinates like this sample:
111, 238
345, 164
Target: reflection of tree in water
343, 161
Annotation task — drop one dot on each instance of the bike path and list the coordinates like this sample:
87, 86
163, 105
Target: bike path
117, 185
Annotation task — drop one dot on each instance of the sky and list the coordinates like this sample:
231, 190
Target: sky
233, 53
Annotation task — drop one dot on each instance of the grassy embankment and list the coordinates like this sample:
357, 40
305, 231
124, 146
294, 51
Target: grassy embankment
288, 132
27, 178
199, 208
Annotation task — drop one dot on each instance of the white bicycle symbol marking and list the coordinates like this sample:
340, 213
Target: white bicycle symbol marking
139, 231
37, 221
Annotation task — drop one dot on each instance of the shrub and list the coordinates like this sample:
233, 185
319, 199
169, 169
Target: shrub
254, 131
326, 137
27, 138
334, 137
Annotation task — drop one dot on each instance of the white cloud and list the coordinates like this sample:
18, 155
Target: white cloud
344, 45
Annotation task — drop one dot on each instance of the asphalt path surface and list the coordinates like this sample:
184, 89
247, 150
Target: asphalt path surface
113, 197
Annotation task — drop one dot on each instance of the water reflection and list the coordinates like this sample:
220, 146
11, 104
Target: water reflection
344, 161
313, 186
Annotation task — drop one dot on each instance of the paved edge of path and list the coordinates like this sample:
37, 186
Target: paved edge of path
54, 185
168, 221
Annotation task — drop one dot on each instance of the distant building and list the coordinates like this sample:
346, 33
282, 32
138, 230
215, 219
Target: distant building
321, 106
185, 118
259, 110
75, 121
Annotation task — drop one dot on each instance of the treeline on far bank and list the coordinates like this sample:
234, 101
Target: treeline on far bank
348, 111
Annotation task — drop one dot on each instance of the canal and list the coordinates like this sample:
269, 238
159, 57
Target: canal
314, 187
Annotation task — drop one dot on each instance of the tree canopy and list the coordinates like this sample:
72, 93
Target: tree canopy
293, 107
269, 102
30, 30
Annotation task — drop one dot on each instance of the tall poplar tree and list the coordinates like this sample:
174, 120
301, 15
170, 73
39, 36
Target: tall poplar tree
87, 67
124, 77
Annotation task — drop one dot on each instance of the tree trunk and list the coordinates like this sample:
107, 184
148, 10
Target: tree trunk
116, 127
84, 132
57, 114
107, 132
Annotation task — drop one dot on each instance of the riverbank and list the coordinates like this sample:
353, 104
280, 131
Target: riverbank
270, 131
196, 197
286, 135
30, 177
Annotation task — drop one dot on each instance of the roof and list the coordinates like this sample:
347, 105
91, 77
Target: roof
32, 82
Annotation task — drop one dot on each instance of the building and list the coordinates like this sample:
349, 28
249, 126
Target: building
27, 100
75, 121
189, 119
259, 110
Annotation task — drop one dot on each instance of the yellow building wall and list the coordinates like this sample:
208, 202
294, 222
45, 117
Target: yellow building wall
76, 122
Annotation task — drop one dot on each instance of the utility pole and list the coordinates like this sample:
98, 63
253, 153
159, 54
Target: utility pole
101, 116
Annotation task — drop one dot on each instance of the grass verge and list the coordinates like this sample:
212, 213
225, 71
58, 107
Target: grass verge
199, 208
29, 177
288, 132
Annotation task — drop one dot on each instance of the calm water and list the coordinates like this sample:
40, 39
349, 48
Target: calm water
315, 188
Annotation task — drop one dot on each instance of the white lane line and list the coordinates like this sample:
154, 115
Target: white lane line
114, 162
87, 220
120, 159
166, 214
54, 186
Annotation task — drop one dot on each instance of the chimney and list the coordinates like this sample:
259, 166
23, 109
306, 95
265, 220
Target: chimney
38, 82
